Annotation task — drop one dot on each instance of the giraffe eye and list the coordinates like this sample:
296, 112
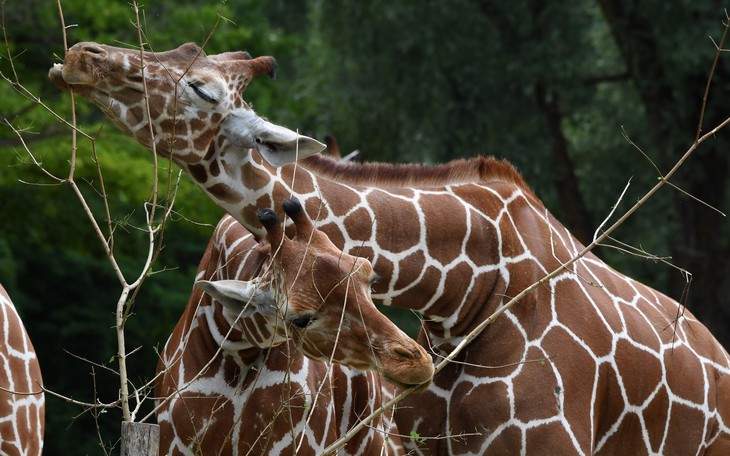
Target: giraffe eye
302, 321
199, 92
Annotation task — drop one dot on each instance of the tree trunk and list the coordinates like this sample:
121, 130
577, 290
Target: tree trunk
140, 439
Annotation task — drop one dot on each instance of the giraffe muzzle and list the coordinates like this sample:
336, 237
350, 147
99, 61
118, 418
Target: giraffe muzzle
407, 364
84, 64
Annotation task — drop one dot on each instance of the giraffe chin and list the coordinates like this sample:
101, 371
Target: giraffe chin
417, 387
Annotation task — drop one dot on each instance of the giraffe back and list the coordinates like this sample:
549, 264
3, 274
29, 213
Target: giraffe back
223, 391
22, 401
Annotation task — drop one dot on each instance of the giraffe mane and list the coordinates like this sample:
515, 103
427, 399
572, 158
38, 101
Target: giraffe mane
479, 169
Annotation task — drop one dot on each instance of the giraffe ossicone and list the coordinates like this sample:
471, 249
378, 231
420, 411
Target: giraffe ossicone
591, 362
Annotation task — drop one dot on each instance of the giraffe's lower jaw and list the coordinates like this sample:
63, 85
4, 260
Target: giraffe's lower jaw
417, 386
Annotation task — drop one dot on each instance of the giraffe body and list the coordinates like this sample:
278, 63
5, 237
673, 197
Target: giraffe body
591, 363
22, 415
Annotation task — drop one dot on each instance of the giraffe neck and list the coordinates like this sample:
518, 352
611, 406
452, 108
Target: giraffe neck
440, 248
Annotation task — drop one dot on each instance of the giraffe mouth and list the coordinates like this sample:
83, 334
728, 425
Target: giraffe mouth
55, 74
401, 385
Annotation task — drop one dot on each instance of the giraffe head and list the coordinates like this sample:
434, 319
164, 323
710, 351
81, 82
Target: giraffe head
180, 103
321, 297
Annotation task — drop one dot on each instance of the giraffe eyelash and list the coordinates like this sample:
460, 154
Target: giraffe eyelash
202, 94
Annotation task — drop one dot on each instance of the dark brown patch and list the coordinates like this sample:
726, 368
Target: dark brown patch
655, 415
333, 232
364, 231
581, 317
136, 112
384, 268
211, 150
214, 168
362, 252
157, 104
640, 370
203, 141
678, 362
394, 224
686, 429
536, 400
224, 192
198, 173
549, 438
445, 222
317, 209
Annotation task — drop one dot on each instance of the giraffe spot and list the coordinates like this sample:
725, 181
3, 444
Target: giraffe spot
678, 362
467, 407
609, 402
347, 198
304, 182
211, 150
638, 329
409, 269
203, 141
686, 429
249, 175
359, 218
548, 438
333, 232
157, 104
197, 125
384, 268
655, 414
581, 316
166, 86
576, 370
392, 234
225, 193
627, 437
445, 226
640, 370
198, 173
214, 168
458, 284
136, 112
535, 400
481, 245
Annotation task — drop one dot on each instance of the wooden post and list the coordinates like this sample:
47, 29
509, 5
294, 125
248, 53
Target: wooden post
140, 439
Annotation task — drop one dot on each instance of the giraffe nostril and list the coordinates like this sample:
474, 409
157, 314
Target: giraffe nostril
92, 48
403, 352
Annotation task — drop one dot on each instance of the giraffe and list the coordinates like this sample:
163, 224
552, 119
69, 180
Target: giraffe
242, 386
22, 401
591, 362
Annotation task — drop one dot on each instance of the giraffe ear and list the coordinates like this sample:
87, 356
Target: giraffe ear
237, 295
280, 146
277, 145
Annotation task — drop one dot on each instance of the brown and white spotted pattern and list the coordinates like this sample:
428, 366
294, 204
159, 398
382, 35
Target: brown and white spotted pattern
22, 402
591, 363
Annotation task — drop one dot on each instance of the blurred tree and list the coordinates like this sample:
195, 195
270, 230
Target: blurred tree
548, 85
